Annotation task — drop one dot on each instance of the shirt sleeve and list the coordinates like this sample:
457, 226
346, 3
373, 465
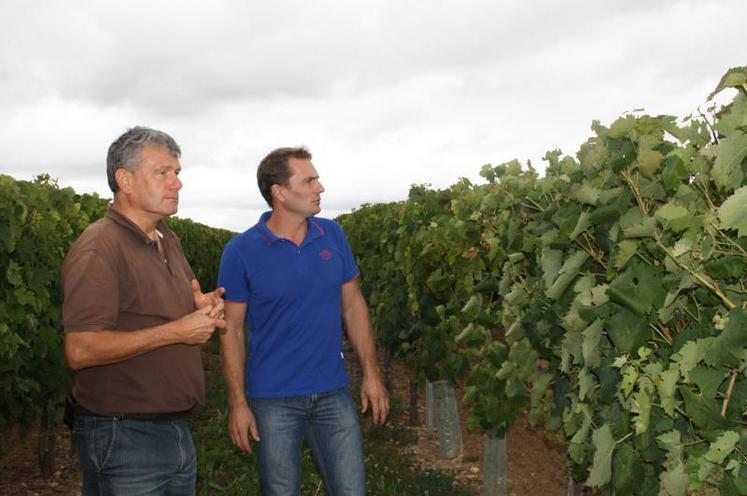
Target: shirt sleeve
91, 291
232, 275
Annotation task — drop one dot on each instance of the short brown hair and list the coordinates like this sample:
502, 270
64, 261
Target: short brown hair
274, 169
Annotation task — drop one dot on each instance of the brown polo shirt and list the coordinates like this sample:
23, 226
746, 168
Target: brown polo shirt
115, 279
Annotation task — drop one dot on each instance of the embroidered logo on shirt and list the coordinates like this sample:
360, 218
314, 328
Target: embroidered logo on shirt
325, 255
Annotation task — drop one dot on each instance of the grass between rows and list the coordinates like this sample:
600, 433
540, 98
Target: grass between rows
222, 469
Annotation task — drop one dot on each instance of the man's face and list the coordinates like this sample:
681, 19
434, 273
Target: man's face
302, 194
154, 186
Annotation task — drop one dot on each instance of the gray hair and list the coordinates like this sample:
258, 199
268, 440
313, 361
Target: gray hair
124, 153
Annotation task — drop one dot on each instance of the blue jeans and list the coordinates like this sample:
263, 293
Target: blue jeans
133, 457
329, 424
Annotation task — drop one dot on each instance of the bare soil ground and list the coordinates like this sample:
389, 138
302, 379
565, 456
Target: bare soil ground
20, 473
536, 465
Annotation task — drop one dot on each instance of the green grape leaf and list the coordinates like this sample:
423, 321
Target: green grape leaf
629, 378
666, 384
568, 272
627, 469
703, 411
622, 126
571, 350
671, 442
487, 285
675, 481
538, 392
727, 169
717, 453
601, 468
642, 401
625, 250
26, 297
669, 124
13, 274
587, 194
609, 381
690, 354
727, 267
551, 263
582, 225
728, 346
686, 281
734, 116
733, 212
473, 305
646, 229
736, 77
627, 331
576, 448
649, 162
523, 356
438, 281
708, 380
638, 289
722, 447
586, 384
515, 257
590, 347
599, 295
671, 211
468, 330
627, 472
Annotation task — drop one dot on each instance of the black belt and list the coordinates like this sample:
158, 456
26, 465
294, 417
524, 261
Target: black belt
146, 417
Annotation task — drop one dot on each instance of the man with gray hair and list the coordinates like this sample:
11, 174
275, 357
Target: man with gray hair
134, 319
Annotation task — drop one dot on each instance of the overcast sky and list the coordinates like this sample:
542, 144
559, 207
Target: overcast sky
384, 93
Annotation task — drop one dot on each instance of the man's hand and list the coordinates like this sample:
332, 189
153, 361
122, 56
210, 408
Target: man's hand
241, 424
360, 332
90, 349
198, 326
213, 298
374, 393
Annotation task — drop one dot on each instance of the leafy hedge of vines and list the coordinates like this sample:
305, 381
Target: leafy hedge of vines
607, 297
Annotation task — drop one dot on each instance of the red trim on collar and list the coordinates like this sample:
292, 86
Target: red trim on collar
318, 227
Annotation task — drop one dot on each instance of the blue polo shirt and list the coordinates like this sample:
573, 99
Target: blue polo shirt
294, 306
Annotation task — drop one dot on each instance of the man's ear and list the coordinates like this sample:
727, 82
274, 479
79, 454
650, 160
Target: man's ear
124, 180
277, 192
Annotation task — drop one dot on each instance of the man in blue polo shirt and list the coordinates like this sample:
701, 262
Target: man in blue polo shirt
293, 280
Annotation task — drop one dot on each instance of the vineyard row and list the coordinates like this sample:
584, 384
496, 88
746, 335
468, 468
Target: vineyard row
607, 297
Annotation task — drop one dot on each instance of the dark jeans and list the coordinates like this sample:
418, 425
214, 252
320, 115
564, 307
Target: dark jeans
134, 457
329, 423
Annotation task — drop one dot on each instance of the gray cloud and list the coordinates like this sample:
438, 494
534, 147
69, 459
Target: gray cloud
385, 93
182, 59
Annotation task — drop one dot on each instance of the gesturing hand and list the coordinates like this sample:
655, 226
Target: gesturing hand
213, 298
198, 326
